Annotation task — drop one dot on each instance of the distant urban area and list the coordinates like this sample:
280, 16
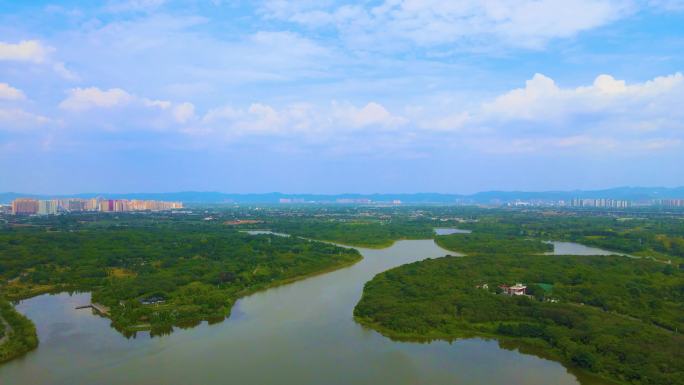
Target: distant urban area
30, 206
601, 203
33, 206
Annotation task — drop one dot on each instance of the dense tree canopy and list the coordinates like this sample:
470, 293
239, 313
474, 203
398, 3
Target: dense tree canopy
611, 315
159, 270
194, 271
17, 333
491, 244
362, 233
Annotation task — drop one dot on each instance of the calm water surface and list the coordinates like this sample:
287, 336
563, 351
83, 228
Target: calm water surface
302, 333
571, 248
449, 231
260, 232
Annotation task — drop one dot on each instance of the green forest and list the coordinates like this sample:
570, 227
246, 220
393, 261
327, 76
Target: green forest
156, 277
487, 243
372, 233
617, 317
642, 234
17, 333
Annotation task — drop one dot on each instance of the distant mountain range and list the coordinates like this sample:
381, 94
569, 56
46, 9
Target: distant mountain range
625, 193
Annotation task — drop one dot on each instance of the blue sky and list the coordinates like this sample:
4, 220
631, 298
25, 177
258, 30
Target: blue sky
335, 96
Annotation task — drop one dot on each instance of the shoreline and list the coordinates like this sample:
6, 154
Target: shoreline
240, 295
520, 344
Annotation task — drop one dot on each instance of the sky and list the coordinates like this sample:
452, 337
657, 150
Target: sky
331, 96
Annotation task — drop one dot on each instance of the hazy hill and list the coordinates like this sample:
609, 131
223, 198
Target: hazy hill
627, 193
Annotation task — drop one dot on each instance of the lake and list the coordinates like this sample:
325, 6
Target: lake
300, 333
449, 231
572, 248
261, 232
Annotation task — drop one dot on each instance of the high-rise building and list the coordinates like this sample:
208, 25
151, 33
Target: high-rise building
672, 202
47, 207
91, 204
76, 205
54, 206
107, 205
24, 206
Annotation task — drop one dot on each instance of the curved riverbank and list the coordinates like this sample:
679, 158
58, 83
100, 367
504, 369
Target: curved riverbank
453, 298
18, 333
526, 346
302, 333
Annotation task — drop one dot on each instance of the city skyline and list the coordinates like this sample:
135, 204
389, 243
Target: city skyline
32, 206
335, 96
621, 197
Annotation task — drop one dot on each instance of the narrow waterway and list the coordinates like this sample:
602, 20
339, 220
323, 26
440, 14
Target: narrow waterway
572, 248
301, 333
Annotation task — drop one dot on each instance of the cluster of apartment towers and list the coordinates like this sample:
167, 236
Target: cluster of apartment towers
614, 203
29, 206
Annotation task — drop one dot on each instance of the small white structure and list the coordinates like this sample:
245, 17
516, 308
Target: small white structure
517, 289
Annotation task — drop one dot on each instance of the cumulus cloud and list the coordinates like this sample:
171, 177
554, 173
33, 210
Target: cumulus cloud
16, 118
372, 114
608, 114
8, 92
26, 50
13, 116
34, 51
80, 99
543, 100
302, 119
184, 112
260, 119
116, 109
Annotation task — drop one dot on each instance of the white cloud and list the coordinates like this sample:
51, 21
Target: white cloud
161, 104
26, 50
61, 70
453, 122
301, 119
117, 110
86, 98
607, 115
372, 114
261, 119
542, 100
525, 23
184, 112
134, 5
8, 92
34, 51
15, 118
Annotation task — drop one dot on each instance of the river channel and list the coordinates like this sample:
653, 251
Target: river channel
300, 333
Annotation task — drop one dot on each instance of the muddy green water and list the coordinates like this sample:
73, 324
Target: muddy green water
301, 333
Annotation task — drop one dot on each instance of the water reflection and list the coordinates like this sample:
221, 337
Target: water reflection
301, 333
449, 231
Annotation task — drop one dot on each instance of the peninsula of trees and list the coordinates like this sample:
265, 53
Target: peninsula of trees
158, 276
613, 316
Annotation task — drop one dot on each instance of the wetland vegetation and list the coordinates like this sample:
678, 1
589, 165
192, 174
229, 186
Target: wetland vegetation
157, 277
617, 317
